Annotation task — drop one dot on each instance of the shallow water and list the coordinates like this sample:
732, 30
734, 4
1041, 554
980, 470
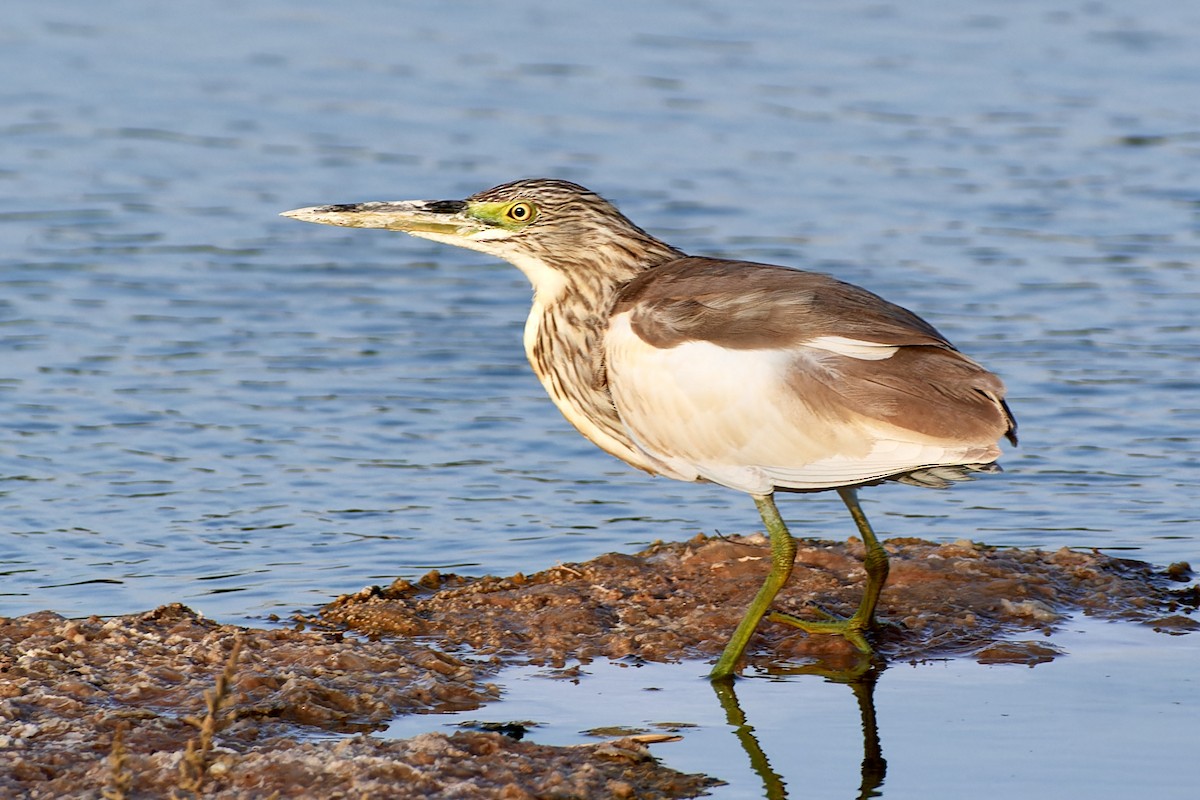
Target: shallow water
1076, 727
209, 404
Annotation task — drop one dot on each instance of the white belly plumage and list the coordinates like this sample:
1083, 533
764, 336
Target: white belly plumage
730, 417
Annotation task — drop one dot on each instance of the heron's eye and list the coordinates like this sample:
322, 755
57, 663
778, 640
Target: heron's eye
521, 211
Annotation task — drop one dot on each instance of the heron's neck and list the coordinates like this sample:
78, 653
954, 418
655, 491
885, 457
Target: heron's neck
564, 339
593, 275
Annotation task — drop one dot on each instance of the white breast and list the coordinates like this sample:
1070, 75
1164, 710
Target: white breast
579, 410
729, 416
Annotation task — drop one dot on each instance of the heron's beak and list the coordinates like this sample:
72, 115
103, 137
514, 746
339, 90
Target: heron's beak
446, 217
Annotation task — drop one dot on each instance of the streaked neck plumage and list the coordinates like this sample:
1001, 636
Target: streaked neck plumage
564, 334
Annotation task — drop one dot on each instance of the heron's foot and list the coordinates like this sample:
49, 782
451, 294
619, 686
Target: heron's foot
854, 628
838, 668
825, 614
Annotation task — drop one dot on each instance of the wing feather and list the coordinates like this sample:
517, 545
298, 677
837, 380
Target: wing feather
761, 377
741, 305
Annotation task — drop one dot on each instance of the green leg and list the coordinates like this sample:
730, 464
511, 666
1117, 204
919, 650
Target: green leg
783, 554
876, 564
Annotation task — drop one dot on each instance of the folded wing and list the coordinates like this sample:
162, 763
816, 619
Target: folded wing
759, 377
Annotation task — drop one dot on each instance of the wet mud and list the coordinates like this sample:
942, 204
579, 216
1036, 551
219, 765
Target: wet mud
683, 600
118, 708
169, 704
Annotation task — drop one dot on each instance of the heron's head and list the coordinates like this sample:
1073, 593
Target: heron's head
550, 229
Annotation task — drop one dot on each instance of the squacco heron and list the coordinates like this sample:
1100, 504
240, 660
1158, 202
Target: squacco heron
752, 376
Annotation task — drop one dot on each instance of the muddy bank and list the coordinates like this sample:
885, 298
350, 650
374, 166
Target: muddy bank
70, 689
158, 704
682, 600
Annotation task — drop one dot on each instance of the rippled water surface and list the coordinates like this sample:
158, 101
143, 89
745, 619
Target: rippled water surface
206, 403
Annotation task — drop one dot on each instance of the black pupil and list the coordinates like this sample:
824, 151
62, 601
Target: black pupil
519, 212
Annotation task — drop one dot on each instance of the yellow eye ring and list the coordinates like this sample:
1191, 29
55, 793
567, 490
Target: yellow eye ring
521, 211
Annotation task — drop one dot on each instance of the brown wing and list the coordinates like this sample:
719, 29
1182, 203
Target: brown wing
924, 385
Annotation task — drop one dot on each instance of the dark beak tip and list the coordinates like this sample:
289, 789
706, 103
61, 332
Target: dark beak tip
445, 206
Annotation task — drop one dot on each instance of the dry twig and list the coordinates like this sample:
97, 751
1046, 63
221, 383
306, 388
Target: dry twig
194, 766
120, 777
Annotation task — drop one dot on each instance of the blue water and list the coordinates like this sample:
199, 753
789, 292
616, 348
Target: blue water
203, 402
1090, 725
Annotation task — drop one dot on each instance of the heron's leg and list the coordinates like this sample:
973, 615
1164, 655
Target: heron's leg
783, 554
876, 565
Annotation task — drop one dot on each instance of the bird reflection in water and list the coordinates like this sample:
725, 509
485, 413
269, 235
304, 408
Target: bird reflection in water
861, 676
